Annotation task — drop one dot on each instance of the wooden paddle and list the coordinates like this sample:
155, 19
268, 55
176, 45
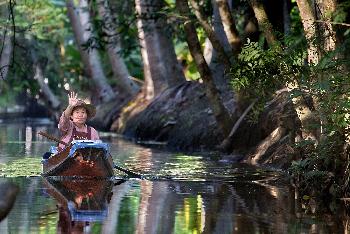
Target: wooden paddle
133, 174
52, 138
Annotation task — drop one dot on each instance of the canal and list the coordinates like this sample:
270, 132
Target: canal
201, 192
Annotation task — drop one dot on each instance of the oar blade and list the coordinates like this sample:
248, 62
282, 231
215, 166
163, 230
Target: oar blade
126, 171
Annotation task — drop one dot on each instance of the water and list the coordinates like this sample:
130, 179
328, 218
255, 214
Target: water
182, 193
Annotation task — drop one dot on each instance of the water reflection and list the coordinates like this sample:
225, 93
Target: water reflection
141, 206
80, 202
183, 194
19, 139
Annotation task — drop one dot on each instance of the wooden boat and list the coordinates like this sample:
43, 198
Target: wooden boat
81, 159
84, 200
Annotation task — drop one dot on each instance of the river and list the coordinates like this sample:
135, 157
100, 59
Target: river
200, 192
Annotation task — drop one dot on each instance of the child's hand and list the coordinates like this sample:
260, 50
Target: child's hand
72, 98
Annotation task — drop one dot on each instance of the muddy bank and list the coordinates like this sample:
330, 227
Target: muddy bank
277, 128
182, 119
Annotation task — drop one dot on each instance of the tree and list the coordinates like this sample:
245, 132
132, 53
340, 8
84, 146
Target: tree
308, 19
219, 70
223, 56
263, 21
113, 50
6, 54
222, 116
49, 97
7, 34
326, 10
82, 28
229, 25
160, 65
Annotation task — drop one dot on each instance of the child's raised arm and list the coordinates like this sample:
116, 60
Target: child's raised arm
64, 123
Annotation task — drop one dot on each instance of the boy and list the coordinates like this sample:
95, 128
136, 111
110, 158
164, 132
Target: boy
72, 124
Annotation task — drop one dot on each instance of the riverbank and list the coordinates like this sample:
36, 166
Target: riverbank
182, 119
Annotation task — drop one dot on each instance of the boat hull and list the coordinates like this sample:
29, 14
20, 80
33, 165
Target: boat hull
80, 160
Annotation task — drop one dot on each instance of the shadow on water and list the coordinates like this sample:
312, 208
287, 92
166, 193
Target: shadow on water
181, 194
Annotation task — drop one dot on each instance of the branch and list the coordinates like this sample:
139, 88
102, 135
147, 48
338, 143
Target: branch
226, 143
331, 22
222, 54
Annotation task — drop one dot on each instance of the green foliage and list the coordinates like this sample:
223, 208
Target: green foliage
184, 55
265, 70
19, 81
46, 25
315, 173
328, 83
22, 167
259, 72
7, 99
296, 25
187, 61
272, 69
45, 20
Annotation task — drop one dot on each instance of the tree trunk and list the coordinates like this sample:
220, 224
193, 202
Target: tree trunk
221, 78
265, 144
263, 22
222, 55
113, 49
211, 56
308, 19
222, 116
6, 55
52, 102
82, 28
306, 105
7, 41
161, 68
217, 68
229, 25
327, 8
49, 96
78, 32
